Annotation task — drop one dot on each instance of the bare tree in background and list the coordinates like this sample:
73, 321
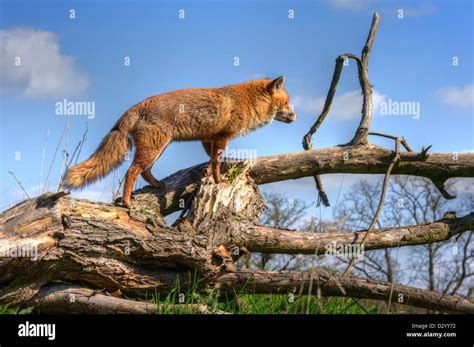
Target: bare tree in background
446, 267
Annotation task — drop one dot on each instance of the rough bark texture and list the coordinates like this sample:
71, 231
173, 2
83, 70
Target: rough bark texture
273, 240
95, 244
78, 300
360, 137
331, 285
368, 159
106, 247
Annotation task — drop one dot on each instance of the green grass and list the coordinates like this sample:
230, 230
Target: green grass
247, 304
7, 310
264, 304
177, 302
233, 171
13, 310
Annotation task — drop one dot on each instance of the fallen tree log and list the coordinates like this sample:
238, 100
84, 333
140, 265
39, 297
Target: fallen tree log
325, 284
95, 244
265, 239
368, 159
106, 247
55, 237
73, 299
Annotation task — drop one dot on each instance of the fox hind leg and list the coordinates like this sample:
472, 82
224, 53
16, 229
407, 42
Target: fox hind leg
148, 149
214, 150
130, 177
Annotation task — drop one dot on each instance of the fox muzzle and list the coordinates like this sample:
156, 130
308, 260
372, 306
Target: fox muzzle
285, 116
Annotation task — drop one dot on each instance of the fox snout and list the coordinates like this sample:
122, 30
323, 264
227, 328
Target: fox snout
285, 116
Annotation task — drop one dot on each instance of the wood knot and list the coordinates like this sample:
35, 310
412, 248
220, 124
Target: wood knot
221, 257
450, 215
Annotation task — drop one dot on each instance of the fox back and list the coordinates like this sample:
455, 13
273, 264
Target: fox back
201, 114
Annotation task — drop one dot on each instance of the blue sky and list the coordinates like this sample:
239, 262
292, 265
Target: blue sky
82, 59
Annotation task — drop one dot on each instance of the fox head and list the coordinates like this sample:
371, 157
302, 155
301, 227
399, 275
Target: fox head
279, 108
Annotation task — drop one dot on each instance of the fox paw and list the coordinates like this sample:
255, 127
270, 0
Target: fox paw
121, 203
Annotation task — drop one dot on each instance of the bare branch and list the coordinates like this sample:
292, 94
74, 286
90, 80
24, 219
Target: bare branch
357, 160
274, 240
330, 285
19, 183
403, 142
360, 137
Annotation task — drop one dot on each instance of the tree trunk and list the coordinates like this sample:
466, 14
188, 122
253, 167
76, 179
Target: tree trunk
105, 247
367, 159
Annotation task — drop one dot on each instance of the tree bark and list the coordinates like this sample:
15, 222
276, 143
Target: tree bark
273, 240
331, 285
96, 244
367, 159
103, 247
73, 299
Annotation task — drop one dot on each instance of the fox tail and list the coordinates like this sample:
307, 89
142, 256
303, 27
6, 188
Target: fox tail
109, 155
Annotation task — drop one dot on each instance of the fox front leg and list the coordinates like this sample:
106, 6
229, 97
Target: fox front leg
218, 148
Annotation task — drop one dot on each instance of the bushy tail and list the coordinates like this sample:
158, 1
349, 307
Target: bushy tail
110, 154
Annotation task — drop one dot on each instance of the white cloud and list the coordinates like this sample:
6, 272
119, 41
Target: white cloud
457, 96
419, 11
345, 106
44, 70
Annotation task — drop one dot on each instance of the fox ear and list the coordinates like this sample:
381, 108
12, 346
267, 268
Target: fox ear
276, 84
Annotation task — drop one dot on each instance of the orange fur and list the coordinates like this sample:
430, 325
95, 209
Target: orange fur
211, 115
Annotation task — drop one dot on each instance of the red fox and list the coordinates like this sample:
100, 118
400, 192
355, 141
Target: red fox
211, 115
